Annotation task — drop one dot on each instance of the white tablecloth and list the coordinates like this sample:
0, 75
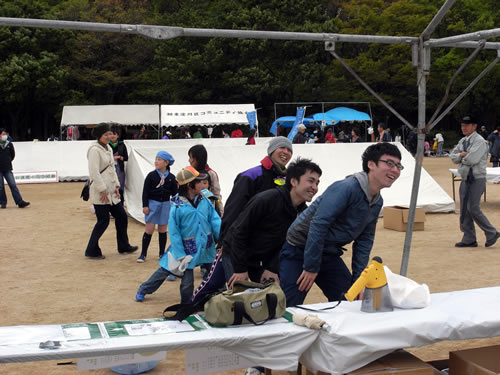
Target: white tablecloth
352, 339
492, 174
355, 338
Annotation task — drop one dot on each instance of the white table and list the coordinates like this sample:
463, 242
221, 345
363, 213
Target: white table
352, 340
355, 338
492, 175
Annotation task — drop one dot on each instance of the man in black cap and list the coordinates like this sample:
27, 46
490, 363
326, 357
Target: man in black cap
471, 155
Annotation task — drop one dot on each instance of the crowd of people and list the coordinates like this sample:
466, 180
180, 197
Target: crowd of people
264, 230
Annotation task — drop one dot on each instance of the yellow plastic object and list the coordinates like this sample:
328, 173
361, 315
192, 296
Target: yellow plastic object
373, 276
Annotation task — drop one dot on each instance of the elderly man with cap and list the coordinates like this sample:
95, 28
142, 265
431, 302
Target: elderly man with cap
300, 137
471, 155
105, 195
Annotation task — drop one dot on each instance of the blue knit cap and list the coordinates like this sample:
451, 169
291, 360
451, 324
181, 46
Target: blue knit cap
166, 156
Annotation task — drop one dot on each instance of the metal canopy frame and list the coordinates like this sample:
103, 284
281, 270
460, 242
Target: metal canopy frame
421, 59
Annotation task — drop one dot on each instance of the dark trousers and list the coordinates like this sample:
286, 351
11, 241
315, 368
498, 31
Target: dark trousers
102, 212
158, 277
334, 278
470, 210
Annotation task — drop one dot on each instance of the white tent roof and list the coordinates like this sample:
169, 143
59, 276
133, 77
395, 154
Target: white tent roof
205, 114
120, 114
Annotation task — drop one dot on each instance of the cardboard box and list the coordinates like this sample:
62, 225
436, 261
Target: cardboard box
396, 218
397, 363
479, 361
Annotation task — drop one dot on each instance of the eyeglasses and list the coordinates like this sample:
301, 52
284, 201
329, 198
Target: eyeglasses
392, 164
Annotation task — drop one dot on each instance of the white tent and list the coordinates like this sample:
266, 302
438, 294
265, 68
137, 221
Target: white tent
120, 114
205, 114
228, 157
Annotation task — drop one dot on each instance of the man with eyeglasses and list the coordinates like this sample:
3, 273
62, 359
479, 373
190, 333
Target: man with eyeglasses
346, 212
471, 155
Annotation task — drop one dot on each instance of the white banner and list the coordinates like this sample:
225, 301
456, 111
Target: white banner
36, 177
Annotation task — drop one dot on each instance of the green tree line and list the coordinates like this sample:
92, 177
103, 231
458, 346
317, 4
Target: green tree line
42, 70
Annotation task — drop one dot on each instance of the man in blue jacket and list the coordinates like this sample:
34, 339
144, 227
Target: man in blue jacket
346, 212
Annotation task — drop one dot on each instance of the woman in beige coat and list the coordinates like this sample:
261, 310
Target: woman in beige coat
104, 195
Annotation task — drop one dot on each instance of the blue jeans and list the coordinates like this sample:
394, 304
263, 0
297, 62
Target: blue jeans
158, 277
334, 278
13, 187
440, 148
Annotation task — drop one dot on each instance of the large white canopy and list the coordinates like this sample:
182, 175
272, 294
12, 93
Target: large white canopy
121, 114
205, 114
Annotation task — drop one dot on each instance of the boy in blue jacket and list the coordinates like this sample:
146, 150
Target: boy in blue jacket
194, 227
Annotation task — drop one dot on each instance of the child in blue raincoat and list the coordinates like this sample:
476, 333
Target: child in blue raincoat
193, 228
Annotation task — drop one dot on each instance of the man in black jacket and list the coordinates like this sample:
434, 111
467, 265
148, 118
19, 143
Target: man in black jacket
254, 241
7, 154
268, 175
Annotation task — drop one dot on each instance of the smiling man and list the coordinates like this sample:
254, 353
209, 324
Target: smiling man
254, 241
268, 175
346, 212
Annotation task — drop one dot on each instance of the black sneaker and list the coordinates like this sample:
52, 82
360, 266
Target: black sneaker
3, 206
23, 204
463, 244
129, 249
493, 240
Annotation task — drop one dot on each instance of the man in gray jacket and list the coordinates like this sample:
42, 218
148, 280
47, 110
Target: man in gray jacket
345, 213
471, 155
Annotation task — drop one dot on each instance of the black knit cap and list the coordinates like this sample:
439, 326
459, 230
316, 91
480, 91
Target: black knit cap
100, 129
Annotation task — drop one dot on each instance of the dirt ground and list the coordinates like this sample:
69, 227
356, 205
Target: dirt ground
47, 280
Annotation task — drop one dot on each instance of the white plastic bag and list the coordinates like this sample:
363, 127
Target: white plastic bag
406, 293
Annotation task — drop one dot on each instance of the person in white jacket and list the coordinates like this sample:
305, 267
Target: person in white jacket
104, 195
440, 142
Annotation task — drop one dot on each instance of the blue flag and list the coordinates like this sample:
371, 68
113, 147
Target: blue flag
299, 118
252, 119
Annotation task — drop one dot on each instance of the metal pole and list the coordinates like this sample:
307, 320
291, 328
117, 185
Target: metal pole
448, 86
437, 18
472, 84
487, 45
478, 35
169, 32
330, 49
422, 85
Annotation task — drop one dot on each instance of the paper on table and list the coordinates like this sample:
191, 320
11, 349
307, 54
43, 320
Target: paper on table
76, 333
157, 328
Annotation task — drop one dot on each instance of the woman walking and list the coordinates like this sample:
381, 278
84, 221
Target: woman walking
105, 195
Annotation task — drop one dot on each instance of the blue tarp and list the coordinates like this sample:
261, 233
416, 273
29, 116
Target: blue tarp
287, 122
336, 115
333, 116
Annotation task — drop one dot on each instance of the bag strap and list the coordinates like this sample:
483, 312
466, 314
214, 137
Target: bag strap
183, 310
240, 312
323, 309
90, 181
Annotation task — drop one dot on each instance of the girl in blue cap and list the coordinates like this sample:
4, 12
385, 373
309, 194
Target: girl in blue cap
159, 186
